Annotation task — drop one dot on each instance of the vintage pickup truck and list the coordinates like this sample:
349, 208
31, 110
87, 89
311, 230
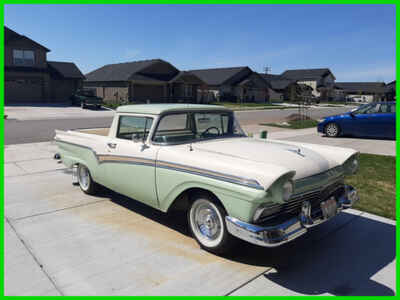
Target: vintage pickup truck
198, 159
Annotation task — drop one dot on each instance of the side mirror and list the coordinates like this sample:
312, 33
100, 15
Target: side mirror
352, 114
136, 138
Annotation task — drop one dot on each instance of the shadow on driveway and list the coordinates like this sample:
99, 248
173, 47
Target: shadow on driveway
338, 257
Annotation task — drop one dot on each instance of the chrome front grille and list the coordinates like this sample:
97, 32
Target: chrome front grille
293, 206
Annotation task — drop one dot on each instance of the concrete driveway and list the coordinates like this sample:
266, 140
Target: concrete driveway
60, 241
53, 111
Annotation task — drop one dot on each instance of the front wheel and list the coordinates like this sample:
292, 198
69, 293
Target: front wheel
332, 130
207, 223
86, 183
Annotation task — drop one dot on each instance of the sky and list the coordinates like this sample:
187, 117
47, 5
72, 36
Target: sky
357, 42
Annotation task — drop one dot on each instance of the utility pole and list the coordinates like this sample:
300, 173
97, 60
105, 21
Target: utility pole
267, 69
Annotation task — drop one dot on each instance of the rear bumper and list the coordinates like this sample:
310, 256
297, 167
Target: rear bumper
273, 236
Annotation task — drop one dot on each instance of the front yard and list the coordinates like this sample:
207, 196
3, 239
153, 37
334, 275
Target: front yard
376, 184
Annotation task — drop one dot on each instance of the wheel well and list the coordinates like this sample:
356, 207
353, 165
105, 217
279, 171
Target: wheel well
183, 201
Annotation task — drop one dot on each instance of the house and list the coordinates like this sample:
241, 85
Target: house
390, 92
30, 77
362, 91
232, 84
320, 80
153, 80
285, 89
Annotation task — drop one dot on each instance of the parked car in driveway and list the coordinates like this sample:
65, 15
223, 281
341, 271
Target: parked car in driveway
85, 98
377, 119
197, 158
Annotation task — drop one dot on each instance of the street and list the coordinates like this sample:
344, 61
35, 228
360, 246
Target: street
25, 130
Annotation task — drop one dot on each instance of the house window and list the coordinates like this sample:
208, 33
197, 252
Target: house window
187, 90
24, 57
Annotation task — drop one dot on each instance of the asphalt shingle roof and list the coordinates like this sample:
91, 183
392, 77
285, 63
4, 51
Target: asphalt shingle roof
357, 87
66, 69
301, 74
10, 35
216, 76
121, 71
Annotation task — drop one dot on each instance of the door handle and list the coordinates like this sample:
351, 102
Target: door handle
112, 145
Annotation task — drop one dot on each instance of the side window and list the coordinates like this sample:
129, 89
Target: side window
392, 108
174, 128
129, 126
373, 109
384, 108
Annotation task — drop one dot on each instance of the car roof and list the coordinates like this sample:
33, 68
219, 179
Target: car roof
156, 109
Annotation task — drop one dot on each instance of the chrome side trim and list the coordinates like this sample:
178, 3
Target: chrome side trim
108, 158
210, 174
273, 236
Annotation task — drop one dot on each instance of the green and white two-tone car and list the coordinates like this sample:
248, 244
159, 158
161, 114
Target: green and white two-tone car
197, 158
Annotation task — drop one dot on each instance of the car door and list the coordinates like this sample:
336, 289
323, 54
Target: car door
129, 161
392, 123
383, 121
363, 122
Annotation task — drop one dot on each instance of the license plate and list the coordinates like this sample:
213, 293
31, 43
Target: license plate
329, 208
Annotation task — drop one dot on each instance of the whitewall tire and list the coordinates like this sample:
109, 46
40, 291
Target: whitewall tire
86, 183
207, 223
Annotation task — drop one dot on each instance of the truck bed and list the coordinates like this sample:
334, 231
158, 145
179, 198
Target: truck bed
98, 131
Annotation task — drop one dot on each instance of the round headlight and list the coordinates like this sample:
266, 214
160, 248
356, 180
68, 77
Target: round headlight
287, 190
351, 166
354, 165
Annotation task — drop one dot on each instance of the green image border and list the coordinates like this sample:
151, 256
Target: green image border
308, 2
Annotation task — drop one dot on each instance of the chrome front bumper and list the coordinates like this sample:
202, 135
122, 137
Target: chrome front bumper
273, 236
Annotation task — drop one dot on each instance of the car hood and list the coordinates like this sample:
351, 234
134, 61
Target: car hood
304, 161
343, 115
262, 160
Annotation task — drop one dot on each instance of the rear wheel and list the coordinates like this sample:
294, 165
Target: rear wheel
332, 130
86, 183
207, 223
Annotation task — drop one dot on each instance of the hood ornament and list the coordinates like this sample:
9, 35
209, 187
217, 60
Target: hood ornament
298, 151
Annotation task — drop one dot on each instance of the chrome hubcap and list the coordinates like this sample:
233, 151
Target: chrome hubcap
207, 222
83, 177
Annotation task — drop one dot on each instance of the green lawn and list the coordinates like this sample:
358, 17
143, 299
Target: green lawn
299, 124
376, 185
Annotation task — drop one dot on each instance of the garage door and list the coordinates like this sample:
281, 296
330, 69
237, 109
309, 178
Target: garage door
23, 90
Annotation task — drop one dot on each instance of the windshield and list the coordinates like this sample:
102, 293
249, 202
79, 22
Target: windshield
187, 127
364, 109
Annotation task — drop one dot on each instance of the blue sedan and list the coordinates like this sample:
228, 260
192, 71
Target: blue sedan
377, 119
